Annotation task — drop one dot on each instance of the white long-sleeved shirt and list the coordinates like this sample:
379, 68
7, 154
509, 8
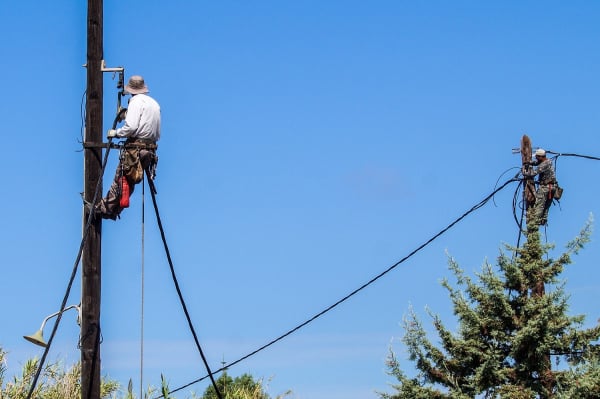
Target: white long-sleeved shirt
142, 120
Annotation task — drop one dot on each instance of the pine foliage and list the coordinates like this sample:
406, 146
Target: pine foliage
515, 338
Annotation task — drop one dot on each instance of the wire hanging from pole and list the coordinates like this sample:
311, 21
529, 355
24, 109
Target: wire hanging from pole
179, 294
142, 290
357, 290
86, 231
73, 273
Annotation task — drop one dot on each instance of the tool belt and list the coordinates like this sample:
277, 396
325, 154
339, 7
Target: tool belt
548, 183
130, 159
142, 144
557, 192
554, 190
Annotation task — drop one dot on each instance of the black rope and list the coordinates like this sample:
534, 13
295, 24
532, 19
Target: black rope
73, 274
365, 285
183, 305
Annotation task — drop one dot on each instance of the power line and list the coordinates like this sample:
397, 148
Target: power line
183, 305
566, 154
356, 291
293, 330
519, 204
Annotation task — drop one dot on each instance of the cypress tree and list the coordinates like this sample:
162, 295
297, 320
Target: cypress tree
514, 339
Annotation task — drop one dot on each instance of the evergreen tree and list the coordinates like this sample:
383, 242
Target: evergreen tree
512, 328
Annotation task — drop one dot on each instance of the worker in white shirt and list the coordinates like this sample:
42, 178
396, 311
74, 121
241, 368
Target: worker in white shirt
142, 131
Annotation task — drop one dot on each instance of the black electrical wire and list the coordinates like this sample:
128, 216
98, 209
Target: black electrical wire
183, 305
520, 221
365, 285
566, 154
73, 274
516, 202
502, 174
210, 374
82, 113
81, 246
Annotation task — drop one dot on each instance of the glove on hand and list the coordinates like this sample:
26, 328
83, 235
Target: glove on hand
111, 133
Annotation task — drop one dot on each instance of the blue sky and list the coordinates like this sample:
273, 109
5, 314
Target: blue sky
306, 147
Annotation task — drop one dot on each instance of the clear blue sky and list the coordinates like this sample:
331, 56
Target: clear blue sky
306, 147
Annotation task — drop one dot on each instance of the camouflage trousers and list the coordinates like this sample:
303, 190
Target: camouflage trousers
543, 200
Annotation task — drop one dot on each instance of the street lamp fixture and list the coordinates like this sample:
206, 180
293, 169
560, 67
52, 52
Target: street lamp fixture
38, 337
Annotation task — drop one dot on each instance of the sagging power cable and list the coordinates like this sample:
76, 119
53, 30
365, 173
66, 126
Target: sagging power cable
142, 288
174, 276
356, 291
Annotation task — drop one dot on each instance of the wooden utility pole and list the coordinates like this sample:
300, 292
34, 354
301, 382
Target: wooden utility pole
538, 288
91, 256
529, 185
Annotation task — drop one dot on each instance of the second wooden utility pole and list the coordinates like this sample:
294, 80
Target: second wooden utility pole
91, 256
529, 185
